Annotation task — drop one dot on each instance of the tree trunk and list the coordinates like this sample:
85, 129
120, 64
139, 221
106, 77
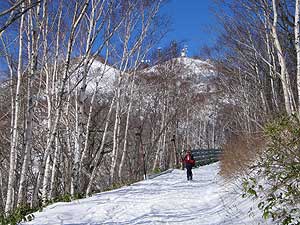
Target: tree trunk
121, 166
14, 141
54, 168
297, 46
52, 133
98, 155
288, 95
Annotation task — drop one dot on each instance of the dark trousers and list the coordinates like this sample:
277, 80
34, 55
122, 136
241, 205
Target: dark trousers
189, 171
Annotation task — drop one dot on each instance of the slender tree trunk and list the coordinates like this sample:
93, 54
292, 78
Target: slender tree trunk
125, 59
34, 29
164, 157
121, 166
157, 154
100, 152
51, 134
85, 148
297, 45
14, 141
80, 104
272, 69
68, 176
115, 134
288, 98
54, 168
187, 128
96, 12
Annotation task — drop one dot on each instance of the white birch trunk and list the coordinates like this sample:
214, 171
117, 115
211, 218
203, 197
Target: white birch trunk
163, 158
187, 129
14, 141
80, 103
157, 154
54, 168
12, 102
85, 148
51, 135
125, 59
122, 163
288, 98
115, 146
272, 69
68, 175
46, 181
297, 46
30, 103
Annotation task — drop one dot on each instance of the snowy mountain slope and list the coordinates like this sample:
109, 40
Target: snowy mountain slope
197, 71
167, 199
105, 75
100, 76
200, 73
197, 66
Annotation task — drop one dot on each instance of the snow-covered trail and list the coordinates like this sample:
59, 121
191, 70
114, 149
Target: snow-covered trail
166, 199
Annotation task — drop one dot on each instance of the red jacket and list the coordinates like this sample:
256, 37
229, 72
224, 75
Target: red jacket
189, 159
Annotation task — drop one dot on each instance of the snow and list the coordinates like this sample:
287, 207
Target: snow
197, 66
166, 199
200, 73
191, 67
100, 77
104, 75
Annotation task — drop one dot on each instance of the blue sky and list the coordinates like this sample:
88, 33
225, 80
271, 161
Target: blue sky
191, 20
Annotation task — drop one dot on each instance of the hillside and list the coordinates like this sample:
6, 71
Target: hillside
200, 73
101, 76
166, 199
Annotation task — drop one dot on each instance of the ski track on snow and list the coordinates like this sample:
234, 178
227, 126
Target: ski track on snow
166, 199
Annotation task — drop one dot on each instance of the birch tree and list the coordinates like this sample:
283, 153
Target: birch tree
285, 77
146, 14
36, 25
14, 142
79, 11
52, 109
16, 10
297, 46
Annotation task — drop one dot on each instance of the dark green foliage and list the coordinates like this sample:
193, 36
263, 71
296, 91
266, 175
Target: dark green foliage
157, 170
22, 213
63, 198
279, 168
118, 185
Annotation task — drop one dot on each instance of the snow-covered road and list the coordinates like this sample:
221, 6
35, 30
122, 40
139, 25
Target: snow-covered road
166, 199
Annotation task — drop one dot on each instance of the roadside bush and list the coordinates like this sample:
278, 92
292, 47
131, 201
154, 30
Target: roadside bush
239, 153
277, 182
22, 213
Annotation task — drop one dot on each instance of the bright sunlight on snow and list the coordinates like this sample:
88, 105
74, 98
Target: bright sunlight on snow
166, 199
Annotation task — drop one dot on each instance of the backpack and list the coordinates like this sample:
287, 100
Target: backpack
189, 159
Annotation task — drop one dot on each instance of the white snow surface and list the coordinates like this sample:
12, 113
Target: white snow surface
104, 74
101, 77
197, 66
200, 73
166, 199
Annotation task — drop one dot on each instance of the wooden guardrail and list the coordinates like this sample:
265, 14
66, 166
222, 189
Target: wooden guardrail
206, 156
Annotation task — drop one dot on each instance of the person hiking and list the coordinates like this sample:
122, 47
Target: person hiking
189, 163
